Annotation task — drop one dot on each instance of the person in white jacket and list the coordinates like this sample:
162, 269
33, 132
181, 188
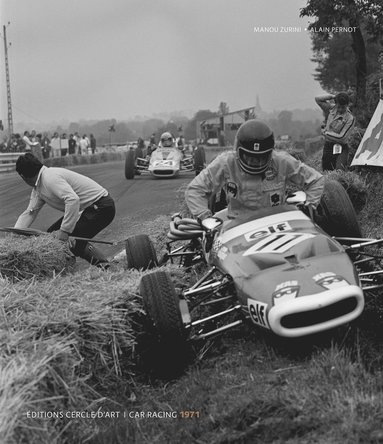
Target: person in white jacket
86, 205
253, 175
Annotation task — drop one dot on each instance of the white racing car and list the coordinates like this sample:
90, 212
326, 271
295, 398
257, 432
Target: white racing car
167, 160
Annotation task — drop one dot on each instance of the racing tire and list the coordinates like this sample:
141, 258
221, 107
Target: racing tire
199, 159
335, 213
163, 348
140, 252
130, 164
162, 305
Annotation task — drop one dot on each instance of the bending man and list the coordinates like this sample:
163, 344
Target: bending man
86, 205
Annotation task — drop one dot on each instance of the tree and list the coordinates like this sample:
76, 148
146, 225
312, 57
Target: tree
336, 60
223, 109
356, 14
151, 126
284, 121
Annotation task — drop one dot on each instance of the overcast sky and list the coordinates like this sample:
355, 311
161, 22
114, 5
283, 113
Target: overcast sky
101, 59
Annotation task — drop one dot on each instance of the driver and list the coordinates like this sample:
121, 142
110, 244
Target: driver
254, 175
167, 140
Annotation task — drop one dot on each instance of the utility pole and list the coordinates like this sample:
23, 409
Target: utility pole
10, 118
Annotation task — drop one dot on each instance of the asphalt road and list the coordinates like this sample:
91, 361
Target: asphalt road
141, 199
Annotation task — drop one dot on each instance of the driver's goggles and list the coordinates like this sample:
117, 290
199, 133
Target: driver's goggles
167, 140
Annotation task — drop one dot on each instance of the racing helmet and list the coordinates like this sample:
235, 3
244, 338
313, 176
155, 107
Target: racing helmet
166, 139
254, 144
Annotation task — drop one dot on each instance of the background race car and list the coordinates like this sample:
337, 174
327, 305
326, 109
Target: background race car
163, 162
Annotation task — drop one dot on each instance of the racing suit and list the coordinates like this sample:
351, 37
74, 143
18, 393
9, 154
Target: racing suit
246, 193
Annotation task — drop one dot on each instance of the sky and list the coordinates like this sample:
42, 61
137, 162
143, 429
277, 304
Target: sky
102, 59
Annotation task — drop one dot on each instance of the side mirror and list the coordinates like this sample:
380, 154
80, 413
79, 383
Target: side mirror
211, 223
299, 197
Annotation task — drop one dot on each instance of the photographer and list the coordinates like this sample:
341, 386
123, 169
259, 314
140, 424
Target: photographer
337, 129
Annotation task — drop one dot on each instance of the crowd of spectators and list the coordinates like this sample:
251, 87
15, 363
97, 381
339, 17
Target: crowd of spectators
51, 146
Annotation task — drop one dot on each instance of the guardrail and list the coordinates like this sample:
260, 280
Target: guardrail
8, 161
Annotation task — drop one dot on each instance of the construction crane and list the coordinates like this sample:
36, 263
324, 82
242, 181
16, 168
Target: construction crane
9, 101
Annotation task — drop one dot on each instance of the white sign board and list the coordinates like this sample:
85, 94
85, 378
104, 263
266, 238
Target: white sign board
370, 149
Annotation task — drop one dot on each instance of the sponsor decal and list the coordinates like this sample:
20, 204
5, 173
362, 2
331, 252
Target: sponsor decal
256, 146
217, 244
223, 252
285, 291
277, 243
264, 231
275, 199
231, 189
163, 163
258, 313
330, 280
270, 173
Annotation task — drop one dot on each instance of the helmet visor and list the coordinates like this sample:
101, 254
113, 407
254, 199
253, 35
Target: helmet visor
254, 163
168, 141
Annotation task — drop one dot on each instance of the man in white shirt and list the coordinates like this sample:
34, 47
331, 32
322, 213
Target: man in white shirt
84, 145
86, 205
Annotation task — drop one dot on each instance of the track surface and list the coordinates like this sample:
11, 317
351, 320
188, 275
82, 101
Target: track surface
141, 199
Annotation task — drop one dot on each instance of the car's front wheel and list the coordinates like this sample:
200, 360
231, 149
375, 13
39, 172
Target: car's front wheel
162, 305
168, 352
130, 164
140, 252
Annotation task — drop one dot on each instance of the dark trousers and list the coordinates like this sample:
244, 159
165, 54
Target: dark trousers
92, 220
332, 161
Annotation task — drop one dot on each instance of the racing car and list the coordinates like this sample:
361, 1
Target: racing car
163, 162
279, 269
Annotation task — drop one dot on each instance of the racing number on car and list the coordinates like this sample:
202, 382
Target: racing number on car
258, 313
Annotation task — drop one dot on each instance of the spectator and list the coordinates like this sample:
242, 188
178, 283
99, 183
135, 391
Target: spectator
93, 143
46, 146
32, 145
84, 145
56, 145
64, 145
28, 141
336, 131
72, 144
77, 138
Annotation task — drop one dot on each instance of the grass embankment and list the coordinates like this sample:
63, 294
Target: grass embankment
68, 345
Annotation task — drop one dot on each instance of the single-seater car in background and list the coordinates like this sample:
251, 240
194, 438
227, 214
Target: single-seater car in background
166, 160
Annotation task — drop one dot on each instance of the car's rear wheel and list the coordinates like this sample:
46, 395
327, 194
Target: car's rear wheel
335, 213
199, 159
130, 164
140, 252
